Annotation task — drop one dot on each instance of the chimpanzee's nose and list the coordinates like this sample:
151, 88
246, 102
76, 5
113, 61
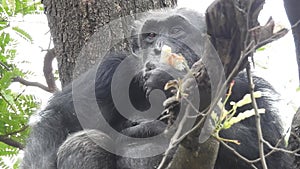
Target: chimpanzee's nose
158, 46
150, 66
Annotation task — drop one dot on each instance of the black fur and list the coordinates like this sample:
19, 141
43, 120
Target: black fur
245, 131
58, 140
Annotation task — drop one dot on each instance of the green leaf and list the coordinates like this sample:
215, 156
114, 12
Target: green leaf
7, 6
15, 108
19, 6
261, 49
3, 24
7, 39
23, 34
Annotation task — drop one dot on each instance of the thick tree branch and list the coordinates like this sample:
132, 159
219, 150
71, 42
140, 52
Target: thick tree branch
48, 73
48, 70
11, 142
29, 83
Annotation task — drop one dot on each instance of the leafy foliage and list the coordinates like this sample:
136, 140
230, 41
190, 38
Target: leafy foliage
12, 8
15, 108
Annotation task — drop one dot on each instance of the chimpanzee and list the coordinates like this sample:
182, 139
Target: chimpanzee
71, 136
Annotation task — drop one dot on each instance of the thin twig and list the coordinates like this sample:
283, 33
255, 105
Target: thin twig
218, 95
295, 25
5, 66
16, 132
257, 115
280, 149
175, 137
238, 154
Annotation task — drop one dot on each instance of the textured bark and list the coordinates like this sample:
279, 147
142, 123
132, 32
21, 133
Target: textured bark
47, 69
73, 22
192, 155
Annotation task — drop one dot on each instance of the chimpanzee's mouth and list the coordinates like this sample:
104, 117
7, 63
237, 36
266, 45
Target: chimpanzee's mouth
156, 79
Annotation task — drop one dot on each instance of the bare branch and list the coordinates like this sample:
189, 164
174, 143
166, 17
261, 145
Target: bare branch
35, 84
238, 154
48, 70
11, 142
280, 149
265, 34
257, 115
16, 132
295, 25
4, 65
174, 137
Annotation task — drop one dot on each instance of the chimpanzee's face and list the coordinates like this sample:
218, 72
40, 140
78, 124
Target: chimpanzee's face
178, 33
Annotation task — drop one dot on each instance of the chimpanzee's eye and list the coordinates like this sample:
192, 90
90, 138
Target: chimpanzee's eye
150, 36
176, 30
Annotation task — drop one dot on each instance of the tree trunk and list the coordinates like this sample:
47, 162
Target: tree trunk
73, 22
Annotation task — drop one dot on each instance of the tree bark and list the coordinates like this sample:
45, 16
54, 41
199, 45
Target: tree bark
73, 22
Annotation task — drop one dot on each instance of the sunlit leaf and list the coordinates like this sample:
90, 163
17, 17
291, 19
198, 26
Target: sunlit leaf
23, 34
